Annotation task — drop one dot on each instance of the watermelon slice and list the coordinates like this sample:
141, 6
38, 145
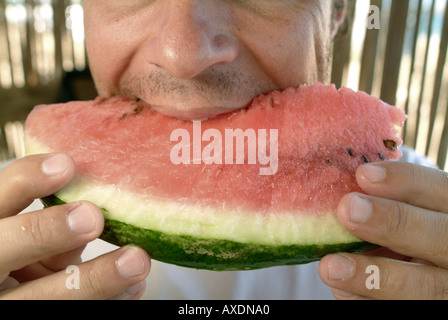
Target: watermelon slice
251, 189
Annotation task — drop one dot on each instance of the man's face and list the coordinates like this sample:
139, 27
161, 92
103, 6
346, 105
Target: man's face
197, 58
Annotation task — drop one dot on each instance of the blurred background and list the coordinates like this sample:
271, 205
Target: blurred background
42, 60
403, 62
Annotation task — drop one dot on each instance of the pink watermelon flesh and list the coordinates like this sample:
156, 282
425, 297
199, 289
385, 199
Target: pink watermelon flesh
324, 135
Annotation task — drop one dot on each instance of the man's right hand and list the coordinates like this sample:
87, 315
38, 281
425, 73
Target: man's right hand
37, 247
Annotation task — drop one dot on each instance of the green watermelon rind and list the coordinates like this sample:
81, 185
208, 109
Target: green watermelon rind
214, 254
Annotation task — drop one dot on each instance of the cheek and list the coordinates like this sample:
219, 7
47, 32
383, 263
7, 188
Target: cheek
105, 67
304, 55
289, 56
109, 50
297, 52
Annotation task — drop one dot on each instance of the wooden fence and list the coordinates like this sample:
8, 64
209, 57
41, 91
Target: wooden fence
404, 62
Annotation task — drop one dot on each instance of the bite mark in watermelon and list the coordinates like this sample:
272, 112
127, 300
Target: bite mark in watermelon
220, 216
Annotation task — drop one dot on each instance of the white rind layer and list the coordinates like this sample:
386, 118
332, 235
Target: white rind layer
173, 218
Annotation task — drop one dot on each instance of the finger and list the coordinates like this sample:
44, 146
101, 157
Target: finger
61, 261
406, 182
33, 177
396, 226
118, 274
48, 266
35, 236
386, 253
360, 276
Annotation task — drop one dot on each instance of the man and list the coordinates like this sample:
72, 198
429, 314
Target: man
195, 59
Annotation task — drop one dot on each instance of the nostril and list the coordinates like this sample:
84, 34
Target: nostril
187, 60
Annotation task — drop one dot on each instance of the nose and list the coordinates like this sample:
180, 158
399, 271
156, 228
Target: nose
193, 36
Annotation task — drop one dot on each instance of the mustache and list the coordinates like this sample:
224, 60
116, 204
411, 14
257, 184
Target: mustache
211, 85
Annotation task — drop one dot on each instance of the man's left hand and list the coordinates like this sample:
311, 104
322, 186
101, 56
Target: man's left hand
405, 211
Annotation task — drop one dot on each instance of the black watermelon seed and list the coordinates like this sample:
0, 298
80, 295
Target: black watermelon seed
350, 152
382, 157
391, 145
365, 159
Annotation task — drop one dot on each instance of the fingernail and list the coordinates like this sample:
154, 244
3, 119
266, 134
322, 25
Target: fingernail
374, 173
360, 210
131, 263
55, 165
340, 268
82, 219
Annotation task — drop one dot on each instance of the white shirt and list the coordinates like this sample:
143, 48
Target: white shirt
279, 283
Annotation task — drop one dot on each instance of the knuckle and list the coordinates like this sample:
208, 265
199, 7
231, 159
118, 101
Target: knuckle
37, 229
393, 284
398, 219
92, 282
